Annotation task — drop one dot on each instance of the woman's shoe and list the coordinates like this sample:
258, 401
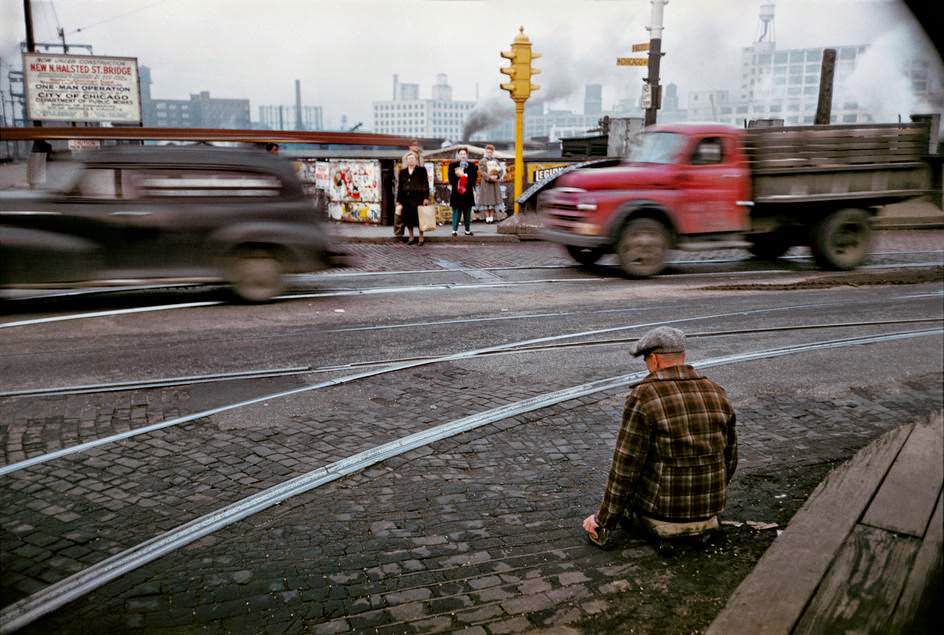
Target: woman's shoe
412, 241
420, 242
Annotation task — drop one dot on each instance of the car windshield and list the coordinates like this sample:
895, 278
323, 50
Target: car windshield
657, 147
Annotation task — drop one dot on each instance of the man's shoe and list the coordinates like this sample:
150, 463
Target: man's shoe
468, 233
454, 234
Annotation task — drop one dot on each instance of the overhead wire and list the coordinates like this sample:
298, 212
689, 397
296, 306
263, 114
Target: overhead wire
115, 17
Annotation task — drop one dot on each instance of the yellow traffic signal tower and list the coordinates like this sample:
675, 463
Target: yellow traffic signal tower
519, 87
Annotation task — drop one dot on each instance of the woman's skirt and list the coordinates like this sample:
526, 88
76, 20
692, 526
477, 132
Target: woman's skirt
489, 194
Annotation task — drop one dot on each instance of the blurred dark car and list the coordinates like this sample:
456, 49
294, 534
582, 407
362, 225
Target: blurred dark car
191, 213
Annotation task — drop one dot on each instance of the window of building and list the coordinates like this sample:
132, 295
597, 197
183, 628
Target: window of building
726, 110
774, 108
847, 53
810, 90
812, 79
849, 118
808, 119
741, 110
814, 55
763, 59
793, 91
780, 81
780, 58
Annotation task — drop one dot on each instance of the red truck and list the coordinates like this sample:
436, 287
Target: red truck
711, 186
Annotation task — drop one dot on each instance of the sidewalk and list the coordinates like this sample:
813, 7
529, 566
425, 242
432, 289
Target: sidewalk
363, 233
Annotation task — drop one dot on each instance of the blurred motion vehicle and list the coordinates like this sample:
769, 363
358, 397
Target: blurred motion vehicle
157, 213
710, 186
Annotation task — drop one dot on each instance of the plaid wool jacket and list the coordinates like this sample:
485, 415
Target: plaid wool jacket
676, 450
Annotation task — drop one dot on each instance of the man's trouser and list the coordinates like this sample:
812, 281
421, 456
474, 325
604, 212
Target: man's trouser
656, 529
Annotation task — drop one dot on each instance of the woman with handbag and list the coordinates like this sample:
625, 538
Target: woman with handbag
412, 191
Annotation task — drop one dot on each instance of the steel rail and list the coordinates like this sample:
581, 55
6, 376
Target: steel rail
161, 382
164, 382
337, 381
31, 608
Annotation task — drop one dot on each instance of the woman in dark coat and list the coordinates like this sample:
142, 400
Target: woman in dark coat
463, 175
412, 191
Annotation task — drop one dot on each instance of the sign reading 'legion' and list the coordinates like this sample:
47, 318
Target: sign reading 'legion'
81, 88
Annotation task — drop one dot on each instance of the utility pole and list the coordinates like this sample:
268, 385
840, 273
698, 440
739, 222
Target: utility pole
655, 55
28, 15
824, 105
62, 36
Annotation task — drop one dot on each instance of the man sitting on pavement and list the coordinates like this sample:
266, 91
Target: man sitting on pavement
676, 450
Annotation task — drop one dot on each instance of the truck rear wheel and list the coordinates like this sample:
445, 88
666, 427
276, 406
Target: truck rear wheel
643, 247
585, 255
841, 240
768, 246
255, 274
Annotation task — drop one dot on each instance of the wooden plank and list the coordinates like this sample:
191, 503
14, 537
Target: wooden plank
926, 565
859, 592
793, 566
905, 501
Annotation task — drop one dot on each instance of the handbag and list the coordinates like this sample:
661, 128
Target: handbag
427, 215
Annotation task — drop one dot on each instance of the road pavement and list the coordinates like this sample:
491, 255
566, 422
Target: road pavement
477, 531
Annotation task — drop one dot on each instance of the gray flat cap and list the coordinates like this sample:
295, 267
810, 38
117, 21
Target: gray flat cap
662, 339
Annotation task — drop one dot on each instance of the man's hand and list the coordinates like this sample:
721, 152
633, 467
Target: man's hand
590, 525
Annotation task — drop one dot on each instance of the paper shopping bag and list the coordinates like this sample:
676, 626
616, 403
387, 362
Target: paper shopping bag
427, 214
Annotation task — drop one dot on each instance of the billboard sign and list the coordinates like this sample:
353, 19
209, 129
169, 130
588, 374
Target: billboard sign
81, 88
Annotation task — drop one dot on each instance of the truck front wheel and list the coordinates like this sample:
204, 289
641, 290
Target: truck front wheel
643, 247
842, 239
585, 255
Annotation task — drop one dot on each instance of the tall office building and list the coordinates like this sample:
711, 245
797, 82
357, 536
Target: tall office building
593, 99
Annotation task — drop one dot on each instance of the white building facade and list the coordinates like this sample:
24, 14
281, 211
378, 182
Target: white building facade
407, 115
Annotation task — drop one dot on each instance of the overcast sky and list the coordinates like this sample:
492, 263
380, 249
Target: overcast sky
345, 52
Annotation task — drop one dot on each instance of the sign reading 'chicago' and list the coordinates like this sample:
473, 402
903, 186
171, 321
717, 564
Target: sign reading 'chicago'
81, 88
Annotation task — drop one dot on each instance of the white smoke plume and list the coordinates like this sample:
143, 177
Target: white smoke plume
880, 82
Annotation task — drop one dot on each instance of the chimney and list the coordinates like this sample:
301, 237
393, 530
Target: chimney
298, 105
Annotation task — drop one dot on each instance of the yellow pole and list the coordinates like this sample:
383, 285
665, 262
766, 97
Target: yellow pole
519, 152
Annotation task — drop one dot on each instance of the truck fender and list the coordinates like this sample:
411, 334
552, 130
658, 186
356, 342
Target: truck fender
304, 244
640, 209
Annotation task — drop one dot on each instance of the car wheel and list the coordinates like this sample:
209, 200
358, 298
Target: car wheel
256, 275
643, 247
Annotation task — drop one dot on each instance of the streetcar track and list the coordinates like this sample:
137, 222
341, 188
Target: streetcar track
382, 370
447, 286
32, 607
164, 382
391, 368
161, 382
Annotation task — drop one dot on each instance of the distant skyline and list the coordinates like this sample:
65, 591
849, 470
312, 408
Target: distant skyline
346, 53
